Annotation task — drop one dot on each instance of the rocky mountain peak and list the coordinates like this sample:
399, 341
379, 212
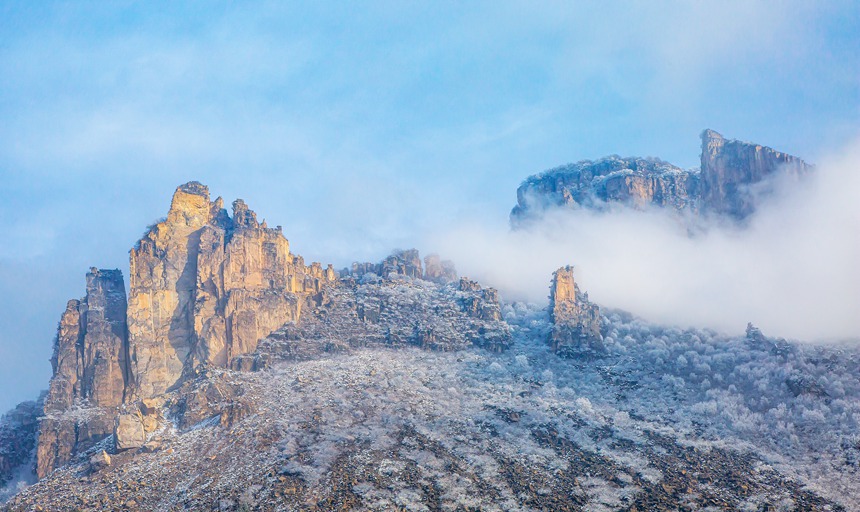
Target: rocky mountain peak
190, 205
243, 217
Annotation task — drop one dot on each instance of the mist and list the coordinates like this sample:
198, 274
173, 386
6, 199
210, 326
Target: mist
792, 271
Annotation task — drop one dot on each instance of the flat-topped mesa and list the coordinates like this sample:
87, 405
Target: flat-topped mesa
90, 370
730, 182
731, 169
576, 321
205, 288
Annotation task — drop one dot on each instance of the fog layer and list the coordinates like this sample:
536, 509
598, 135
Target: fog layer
793, 271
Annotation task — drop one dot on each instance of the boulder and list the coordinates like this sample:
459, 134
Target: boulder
100, 461
129, 432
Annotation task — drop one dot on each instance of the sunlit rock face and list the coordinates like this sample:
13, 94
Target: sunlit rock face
575, 320
205, 287
731, 180
90, 371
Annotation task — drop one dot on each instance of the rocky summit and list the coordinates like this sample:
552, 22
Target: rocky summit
234, 376
732, 179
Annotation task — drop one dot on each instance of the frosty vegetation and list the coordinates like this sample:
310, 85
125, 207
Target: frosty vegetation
662, 416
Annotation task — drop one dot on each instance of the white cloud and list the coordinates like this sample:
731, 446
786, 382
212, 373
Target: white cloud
793, 271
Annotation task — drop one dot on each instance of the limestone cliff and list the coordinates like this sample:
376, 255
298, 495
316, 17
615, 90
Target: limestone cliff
575, 320
90, 367
733, 172
205, 287
731, 180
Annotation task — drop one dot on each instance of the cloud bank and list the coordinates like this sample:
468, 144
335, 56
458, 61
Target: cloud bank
794, 271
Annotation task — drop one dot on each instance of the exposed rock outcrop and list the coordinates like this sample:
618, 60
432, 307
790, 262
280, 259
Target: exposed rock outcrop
730, 182
389, 304
575, 320
400, 263
129, 432
90, 366
733, 173
205, 288
636, 182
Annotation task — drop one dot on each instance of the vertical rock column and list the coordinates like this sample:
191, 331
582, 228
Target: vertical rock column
163, 282
90, 372
576, 321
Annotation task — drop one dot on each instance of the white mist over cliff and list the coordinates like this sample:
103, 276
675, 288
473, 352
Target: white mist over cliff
793, 271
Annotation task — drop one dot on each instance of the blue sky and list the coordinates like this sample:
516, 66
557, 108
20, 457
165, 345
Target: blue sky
360, 129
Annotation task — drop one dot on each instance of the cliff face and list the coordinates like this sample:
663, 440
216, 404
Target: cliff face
575, 320
206, 287
731, 170
729, 182
90, 366
634, 182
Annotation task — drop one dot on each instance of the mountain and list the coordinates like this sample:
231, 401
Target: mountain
732, 179
233, 376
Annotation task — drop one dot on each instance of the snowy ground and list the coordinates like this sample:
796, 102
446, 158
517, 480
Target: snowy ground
666, 419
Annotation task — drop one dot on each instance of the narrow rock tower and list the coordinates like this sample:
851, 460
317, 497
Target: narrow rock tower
576, 321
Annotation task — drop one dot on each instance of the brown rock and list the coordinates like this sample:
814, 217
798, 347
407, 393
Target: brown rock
129, 432
100, 461
90, 362
150, 406
576, 321
150, 424
438, 270
206, 288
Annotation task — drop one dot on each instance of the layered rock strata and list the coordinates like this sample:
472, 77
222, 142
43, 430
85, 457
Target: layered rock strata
730, 182
575, 320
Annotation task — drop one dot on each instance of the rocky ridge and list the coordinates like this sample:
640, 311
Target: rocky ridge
240, 378
733, 177
205, 289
